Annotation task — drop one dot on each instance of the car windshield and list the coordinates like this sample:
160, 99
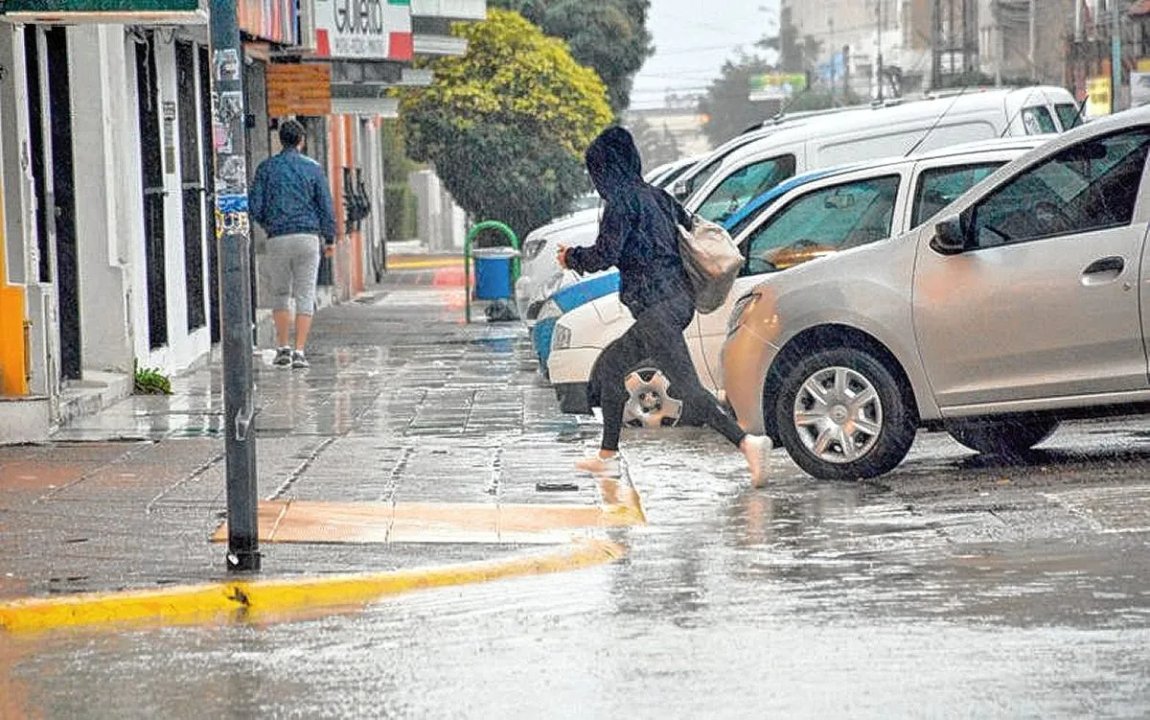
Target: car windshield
822, 222
744, 185
1069, 115
1038, 121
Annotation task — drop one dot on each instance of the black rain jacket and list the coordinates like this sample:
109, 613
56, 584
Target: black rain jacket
637, 232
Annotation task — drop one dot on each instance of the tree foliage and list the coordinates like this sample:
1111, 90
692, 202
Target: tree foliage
506, 124
610, 36
727, 104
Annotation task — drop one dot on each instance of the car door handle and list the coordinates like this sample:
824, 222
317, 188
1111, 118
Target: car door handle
1112, 264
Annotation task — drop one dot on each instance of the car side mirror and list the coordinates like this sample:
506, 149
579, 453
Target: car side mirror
949, 236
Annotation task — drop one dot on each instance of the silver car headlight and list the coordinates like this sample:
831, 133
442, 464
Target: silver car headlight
533, 247
561, 339
740, 309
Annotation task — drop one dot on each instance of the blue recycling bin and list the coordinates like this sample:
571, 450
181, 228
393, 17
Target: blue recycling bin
493, 272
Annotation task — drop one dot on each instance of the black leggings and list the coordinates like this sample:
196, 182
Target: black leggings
657, 334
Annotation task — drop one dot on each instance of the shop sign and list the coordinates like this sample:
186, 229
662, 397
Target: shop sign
104, 11
777, 85
298, 89
363, 29
1098, 96
276, 21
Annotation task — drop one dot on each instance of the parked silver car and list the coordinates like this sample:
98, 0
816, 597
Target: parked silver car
1023, 306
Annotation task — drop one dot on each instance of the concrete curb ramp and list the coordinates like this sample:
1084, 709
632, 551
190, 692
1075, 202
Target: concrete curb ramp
284, 599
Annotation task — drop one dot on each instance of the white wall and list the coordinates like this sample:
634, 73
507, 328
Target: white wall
183, 349
104, 229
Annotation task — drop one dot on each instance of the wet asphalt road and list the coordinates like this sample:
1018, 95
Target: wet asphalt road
955, 587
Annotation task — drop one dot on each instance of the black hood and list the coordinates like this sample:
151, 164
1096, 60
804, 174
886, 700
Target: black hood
613, 162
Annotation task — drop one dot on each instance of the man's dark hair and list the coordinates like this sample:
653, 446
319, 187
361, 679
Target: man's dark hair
291, 133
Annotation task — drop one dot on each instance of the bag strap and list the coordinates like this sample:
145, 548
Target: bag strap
679, 213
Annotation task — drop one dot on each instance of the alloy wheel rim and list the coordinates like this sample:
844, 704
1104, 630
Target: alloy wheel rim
838, 415
649, 404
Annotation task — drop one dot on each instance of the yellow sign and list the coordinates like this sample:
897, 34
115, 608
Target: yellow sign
1097, 96
1143, 65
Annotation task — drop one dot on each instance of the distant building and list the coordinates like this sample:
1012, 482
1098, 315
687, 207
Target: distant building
931, 43
684, 125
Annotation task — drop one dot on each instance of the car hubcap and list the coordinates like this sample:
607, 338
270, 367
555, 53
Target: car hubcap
838, 415
648, 404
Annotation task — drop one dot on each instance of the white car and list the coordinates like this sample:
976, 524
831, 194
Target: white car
803, 219
748, 166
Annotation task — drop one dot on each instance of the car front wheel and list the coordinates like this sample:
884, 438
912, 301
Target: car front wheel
842, 415
1009, 438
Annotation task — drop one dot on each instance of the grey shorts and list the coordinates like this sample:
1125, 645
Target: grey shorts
292, 266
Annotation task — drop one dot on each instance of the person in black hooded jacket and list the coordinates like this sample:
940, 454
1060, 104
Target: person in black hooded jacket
639, 235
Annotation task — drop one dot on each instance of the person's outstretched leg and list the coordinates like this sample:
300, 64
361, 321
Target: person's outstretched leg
610, 372
661, 337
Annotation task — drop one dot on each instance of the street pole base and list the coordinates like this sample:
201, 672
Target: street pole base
244, 562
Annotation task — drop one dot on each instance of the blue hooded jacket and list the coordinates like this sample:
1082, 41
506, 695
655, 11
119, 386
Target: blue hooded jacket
638, 232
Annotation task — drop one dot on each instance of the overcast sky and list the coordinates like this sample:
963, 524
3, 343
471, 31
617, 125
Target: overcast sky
693, 39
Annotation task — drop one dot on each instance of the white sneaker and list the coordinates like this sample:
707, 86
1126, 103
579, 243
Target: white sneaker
599, 466
758, 454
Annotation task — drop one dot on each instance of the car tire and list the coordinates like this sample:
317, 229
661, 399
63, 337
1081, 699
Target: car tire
864, 429
1009, 438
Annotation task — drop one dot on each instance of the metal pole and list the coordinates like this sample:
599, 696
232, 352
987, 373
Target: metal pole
1034, 41
936, 45
234, 237
1115, 56
831, 27
1000, 44
878, 74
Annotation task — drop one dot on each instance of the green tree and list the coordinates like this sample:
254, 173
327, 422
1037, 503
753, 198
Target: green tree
506, 124
610, 36
727, 104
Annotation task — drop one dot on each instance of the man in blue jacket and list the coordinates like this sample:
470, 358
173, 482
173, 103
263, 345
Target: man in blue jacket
291, 200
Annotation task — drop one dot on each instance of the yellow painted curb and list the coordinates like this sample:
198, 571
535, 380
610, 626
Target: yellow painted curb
426, 264
266, 599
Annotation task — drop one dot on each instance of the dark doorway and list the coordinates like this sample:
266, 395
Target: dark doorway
50, 104
191, 184
36, 148
63, 205
152, 173
209, 170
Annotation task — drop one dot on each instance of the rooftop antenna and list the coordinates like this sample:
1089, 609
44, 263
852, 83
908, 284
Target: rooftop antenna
937, 120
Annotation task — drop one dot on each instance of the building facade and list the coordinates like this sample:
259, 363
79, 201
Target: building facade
107, 227
109, 255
